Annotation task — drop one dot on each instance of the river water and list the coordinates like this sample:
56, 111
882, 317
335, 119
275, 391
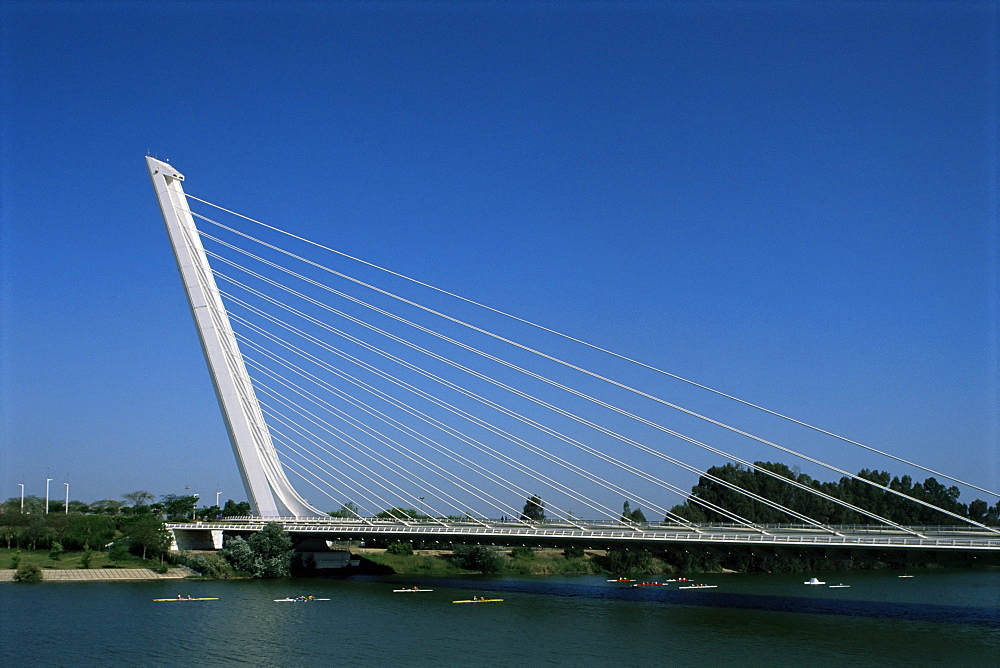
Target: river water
935, 618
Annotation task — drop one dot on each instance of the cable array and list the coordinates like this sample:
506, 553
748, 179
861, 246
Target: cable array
393, 404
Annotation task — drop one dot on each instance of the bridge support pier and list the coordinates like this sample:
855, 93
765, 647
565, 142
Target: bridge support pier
195, 539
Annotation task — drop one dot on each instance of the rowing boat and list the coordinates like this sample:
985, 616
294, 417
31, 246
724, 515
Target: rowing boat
403, 591
298, 600
840, 586
164, 600
699, 587
480, 600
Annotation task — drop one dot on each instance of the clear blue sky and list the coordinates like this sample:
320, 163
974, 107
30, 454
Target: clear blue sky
794, 202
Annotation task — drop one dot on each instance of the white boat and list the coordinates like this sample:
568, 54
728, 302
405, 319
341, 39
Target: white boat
412, 589
840, 586
813, 581
904, 576
699, 586
298, 600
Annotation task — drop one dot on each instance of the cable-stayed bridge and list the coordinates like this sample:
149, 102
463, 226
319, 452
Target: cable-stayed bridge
413, 413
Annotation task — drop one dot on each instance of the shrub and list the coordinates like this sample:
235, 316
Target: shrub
56, 551
573, 552
15, 560
118, 551
28, 572
522, 552
209, 565
85, 559
629, 561
477, 558
400, 548
239, 554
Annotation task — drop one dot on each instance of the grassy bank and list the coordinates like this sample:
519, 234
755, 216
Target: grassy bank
439, 562
71, 560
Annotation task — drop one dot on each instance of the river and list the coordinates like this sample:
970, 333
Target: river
935, 618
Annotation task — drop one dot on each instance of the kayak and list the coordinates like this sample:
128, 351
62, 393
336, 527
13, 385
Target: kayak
298, 600
482, 600
403, 591
164, 600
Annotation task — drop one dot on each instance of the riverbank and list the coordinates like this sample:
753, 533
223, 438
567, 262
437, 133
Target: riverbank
512, 562
101, 574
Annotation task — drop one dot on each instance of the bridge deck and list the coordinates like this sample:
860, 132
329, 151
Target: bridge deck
937, 538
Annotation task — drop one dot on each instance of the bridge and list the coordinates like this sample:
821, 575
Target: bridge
414, 413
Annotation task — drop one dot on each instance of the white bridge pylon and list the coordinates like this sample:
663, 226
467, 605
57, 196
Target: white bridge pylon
268, 489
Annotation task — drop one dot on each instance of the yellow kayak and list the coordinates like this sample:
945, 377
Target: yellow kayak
185, 599
480, 600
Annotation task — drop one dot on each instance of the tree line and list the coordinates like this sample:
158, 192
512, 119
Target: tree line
134, 524
875, 499
170, 507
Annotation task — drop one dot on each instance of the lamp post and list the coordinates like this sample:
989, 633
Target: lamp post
194, 507
66, 509
217, 499
47, 481
21, 485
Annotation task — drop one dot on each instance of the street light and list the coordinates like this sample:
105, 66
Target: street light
66, 509
217, 499
47, 481
194, 507
21, 485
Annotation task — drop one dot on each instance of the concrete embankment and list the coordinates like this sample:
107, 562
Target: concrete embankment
96, 574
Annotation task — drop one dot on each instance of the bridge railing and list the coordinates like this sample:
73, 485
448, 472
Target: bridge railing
228, 522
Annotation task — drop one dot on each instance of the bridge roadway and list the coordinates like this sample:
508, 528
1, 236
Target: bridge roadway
607, 534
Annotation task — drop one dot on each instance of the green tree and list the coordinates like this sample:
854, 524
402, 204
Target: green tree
233, 509
87, 531
273, 546
107, 506
534, 509
118, 551
629, 561
401, 514
56, 551
179, 508
629, 515
139, 498
400, 548
348, 510
477, 558
239, 554
147, 536
978, 510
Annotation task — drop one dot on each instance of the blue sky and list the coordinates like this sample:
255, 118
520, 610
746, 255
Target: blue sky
795, 203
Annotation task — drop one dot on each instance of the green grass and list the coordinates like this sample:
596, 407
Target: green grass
71, 560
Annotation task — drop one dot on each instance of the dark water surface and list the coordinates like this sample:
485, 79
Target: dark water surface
936, 618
